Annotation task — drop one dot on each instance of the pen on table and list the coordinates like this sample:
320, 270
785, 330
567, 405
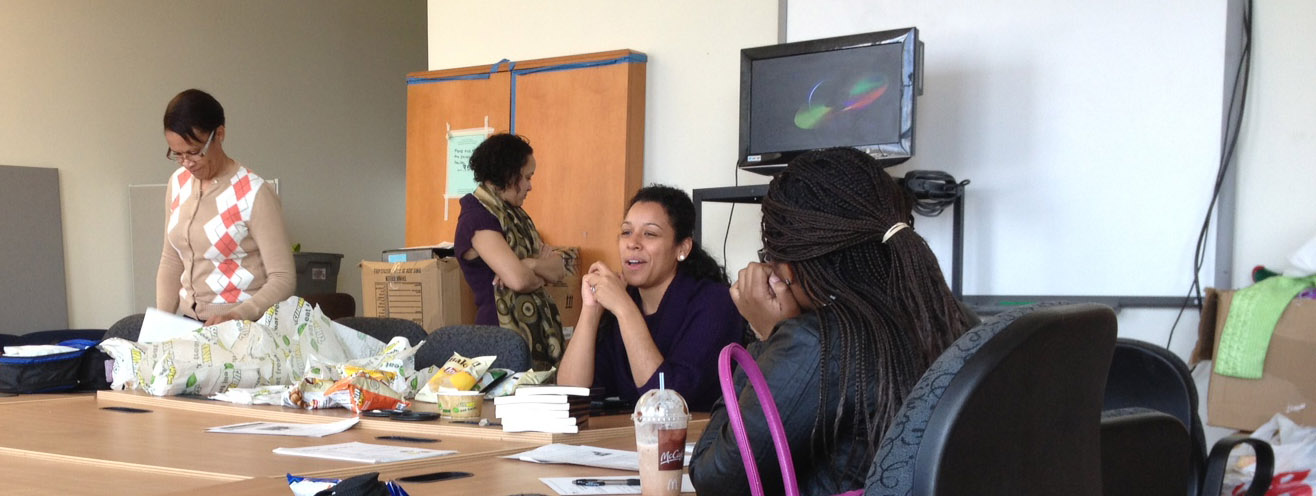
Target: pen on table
481, 422
607, 482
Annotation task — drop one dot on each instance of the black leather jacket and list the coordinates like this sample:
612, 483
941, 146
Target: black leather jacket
789, 360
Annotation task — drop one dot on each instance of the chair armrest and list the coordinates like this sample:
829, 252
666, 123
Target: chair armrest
1219, 458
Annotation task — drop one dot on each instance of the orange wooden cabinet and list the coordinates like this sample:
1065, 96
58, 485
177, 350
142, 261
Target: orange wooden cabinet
584, 116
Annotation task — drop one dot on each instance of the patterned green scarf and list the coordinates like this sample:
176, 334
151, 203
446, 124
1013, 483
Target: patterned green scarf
532, 315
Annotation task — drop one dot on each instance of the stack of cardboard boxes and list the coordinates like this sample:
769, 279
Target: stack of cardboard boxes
425, 285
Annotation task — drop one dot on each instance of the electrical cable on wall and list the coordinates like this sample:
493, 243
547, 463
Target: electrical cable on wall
727, 235
1238, 95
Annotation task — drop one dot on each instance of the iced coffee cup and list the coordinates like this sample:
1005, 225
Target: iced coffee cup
660, 418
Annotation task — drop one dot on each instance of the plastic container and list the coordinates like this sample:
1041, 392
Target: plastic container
316, 272
459, 405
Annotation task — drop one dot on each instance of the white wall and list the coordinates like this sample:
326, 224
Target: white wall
692, 107
1032, 74
313, 90
1117, 108
1277, 148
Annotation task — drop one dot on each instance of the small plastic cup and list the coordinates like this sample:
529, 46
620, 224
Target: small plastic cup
460, 404
661, 417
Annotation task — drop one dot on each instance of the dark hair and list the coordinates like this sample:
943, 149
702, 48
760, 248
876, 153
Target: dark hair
681, 213
499, 159
885, 303
193, 110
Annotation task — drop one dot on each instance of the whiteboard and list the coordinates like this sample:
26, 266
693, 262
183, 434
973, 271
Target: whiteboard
1090, 132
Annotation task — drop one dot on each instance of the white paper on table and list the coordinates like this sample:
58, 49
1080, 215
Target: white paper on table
363, 452
287, 429
36, 350
567, 485
588, 456
159, 326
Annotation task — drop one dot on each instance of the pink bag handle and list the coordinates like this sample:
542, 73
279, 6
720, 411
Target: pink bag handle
746, 362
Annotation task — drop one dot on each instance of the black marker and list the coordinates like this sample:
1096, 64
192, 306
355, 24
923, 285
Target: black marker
476, 422
407, 439
607, 482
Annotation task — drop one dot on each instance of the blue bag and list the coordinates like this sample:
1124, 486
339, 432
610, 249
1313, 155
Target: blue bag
44, 374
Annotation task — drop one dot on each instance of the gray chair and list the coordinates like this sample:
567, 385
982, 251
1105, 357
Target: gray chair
385, 328
57, 336
1012, 407
129, 327
471, 341
1152, 438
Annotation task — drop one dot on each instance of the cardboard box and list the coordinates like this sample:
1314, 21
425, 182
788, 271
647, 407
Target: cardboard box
1288, 382
566, 293
427, 292
418, 253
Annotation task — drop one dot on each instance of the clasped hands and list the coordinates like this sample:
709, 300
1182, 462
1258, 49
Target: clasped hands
763, 298
601, 287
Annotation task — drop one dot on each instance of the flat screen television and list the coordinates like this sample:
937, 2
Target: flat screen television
856, 91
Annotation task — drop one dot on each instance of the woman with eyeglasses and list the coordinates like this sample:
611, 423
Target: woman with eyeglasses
667, 311
851, 308
226, 255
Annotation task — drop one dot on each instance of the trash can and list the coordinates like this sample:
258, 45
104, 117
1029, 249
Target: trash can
316, 272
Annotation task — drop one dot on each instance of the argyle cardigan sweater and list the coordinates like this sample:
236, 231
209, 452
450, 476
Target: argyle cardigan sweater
225, 248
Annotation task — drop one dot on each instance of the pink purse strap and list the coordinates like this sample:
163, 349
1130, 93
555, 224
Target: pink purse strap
746, 362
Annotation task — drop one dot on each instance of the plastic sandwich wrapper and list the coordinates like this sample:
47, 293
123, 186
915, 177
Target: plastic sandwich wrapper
292, 356
293, 346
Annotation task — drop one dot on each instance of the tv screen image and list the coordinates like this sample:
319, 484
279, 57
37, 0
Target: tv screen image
822, 100
856, 91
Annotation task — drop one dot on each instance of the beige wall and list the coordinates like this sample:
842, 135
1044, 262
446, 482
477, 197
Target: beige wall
692, 108
313, 90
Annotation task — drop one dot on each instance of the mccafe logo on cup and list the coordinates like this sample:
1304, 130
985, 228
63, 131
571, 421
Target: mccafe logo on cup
671, 449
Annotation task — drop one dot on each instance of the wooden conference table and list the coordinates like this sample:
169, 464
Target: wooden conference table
72, 444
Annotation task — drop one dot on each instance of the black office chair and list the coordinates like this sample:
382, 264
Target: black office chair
1152, 437
1013, 407
471, 341
385, 328
333, 305
129, 327
60, 335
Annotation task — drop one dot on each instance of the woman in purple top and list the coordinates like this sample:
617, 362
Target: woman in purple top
668, 311
500, 252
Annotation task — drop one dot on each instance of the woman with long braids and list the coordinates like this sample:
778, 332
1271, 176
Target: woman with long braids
851, 308
667, 311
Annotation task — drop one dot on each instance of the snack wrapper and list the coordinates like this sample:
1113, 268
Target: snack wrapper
363, 392
458, 373
292, 341
274, 350
529, 377
310, 486
264, 395
310, 394
491, 378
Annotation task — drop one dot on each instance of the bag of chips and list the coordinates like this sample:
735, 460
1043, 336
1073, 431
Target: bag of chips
458, 373
362, 392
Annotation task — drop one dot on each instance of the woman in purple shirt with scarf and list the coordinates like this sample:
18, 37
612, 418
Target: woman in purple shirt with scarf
668, 310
